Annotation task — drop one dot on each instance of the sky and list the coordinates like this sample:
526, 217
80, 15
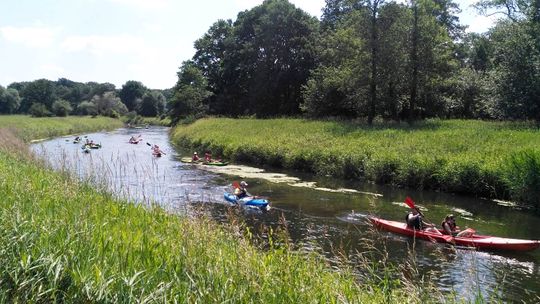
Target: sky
119, 40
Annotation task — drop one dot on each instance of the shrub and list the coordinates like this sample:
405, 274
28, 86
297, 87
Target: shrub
39, 110
61, 108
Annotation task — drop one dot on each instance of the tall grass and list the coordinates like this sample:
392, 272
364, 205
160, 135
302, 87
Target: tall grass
461, 156
29, 128
63, 241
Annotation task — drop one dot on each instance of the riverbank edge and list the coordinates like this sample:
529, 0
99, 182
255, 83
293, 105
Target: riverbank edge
30, 128
66, 241
513, 180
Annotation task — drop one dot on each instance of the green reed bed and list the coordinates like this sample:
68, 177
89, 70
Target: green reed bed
63, 241
490, 159
29, 128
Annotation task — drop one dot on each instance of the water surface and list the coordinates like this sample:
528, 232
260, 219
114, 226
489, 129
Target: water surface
321, 214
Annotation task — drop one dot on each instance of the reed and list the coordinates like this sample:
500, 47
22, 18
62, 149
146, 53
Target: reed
64, 241
460, 156
31, 128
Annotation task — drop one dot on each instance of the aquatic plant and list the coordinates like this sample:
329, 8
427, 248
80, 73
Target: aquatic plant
461, 156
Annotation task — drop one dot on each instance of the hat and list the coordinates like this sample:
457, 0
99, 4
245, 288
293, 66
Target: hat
194, 152
243, 184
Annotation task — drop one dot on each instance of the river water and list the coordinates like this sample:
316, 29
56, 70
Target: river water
321, 214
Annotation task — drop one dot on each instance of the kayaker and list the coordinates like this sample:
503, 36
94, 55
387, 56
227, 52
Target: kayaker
157, 151
207, 157
195, 157
449, 227
415, 221
241, 191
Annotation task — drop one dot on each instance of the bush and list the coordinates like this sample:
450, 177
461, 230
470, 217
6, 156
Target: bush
87, 108
523, 177
61, 108
39, 110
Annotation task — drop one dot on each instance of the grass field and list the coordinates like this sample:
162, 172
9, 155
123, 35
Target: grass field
63, 241
29, 128
488, 159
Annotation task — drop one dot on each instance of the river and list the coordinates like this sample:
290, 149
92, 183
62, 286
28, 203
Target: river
321, 214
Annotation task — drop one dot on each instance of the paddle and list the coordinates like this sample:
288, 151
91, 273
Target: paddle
409, 202
152, 146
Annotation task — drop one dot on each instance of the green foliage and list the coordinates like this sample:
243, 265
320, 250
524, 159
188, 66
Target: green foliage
39, 110
190, 93
461, 156
9, 100
87, 108
61, 108
152, 104
131, 94
62, 241
109, 104
29, 128
41, 91
258, 64
522, 176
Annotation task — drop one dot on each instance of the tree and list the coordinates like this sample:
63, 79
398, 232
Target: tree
432, 61
271, 58
38, 91
152, 104
515, 66
109, 104
61, 108
87, 108
210, 57
9, 100
337, 85
131, 94
190, 93
39, 110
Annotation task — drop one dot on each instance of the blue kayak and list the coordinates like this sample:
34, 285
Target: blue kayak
260, 203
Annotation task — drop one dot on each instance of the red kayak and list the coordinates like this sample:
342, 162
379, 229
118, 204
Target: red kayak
483, 242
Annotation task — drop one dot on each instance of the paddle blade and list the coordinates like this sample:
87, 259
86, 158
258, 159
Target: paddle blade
235, 184
409, 202
148, 144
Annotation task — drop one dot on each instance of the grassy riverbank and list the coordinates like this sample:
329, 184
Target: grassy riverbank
64, 241
29, 128
489, 159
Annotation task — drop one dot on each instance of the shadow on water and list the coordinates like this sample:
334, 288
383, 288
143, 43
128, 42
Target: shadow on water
321, 215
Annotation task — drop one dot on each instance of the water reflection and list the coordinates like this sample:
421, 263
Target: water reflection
322, 215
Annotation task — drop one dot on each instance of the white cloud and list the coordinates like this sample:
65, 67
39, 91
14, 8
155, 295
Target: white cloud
313, 7
143, 4
481, 24
102, 44
52, 69
34, 37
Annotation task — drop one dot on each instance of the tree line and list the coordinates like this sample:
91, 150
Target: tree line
44, 97
368, 59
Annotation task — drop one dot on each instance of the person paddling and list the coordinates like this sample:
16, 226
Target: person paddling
157, 151
449, 227
241, 191
414, 220
195, 157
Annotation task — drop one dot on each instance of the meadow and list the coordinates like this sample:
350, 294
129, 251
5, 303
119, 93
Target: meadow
499, 160
66, 241
33, 128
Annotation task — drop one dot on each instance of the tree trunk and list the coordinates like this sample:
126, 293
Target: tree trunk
414, 65
374, 44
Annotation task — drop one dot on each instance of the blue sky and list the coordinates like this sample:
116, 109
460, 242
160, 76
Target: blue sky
119, 40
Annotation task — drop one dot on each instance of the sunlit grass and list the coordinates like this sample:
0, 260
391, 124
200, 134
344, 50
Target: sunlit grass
462, 156
64, 241
29, 128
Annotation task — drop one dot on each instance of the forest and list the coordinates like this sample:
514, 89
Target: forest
367, 60
363, 60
